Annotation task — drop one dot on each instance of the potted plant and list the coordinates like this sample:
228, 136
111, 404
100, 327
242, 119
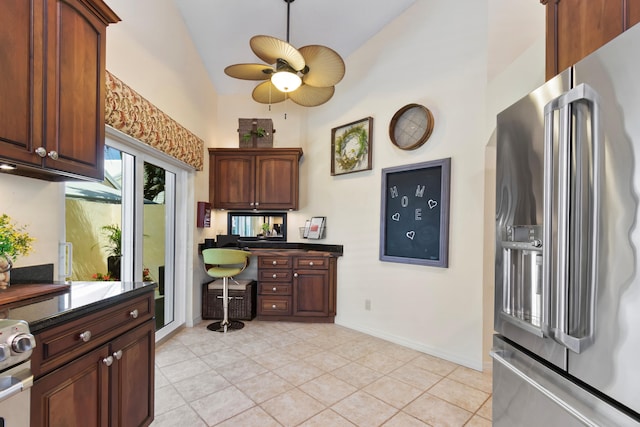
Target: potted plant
14, 241
113, 234
258, 133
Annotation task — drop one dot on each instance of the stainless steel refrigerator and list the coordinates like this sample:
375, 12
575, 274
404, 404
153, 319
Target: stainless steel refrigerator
567, 297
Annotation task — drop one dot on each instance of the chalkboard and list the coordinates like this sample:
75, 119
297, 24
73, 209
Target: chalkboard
414, 225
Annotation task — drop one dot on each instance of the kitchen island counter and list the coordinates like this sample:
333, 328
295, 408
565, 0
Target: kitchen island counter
80, 299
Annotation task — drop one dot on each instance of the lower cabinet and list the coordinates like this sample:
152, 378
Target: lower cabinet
110, 384
297, 287
74, 395
311, 293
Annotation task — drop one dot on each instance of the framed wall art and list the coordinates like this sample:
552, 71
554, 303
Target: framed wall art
351, 147
414, 224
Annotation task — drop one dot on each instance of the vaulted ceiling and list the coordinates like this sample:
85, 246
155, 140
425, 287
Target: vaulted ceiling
221, 29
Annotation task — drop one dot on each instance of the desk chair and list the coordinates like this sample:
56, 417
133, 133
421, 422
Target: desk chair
225, 263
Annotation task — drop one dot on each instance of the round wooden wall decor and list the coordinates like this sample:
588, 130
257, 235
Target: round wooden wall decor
411, 126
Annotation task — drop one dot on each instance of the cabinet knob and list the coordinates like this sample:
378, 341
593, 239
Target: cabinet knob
118, 354
273, 306
274, 262
40, 151
134, 314
85, 336
108, 360
274, 275
275, 289
311, 263
53, 155
257, 203
251, 204
295, 274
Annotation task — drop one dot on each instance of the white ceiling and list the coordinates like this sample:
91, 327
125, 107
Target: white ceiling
221, 29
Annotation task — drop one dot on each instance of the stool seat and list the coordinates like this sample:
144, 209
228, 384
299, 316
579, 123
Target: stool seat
223, 264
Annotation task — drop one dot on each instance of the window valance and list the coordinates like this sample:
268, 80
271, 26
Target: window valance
132, 114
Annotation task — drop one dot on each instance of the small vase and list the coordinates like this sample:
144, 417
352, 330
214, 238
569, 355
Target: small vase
5, 270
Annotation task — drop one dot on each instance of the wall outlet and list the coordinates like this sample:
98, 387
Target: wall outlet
367, 304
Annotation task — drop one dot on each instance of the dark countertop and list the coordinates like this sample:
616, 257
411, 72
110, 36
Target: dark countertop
278, 244
80, 299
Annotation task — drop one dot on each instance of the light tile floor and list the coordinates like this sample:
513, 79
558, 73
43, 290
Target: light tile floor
296, 374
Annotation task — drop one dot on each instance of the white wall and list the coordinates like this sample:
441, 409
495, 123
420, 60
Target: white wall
435, 56
39, 206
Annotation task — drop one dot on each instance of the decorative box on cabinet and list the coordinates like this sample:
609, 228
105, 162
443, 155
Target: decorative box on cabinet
254, 178
52, 86
242, 297
575, 28
297, 287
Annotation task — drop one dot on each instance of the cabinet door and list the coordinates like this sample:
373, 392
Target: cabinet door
21, 89
76, 395
233, 182
277, 181
132, 373
311, 293
75, 89
575, 28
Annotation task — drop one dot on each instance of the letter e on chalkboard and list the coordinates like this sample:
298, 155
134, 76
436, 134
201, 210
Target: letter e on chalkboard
414, 216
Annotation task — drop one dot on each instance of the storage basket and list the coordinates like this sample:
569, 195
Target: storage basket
242, 297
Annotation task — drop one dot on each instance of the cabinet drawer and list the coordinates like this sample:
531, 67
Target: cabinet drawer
274, 289
63, 343
271, 305
311, 262
274, 262
274, 275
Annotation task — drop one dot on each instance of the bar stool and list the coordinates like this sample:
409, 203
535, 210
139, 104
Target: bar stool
225, 263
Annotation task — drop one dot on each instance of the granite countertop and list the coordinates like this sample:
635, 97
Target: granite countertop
249, 244
79, 299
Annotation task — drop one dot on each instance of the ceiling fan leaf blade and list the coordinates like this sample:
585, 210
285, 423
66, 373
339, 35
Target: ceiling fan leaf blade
270, 49
249, 71
266, 93
310, 96
326, 67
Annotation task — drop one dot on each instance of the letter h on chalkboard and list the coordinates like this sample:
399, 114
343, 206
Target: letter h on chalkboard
414, 218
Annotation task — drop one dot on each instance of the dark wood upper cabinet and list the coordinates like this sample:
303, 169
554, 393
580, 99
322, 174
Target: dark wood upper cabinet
254, 178
575, 28
53, 87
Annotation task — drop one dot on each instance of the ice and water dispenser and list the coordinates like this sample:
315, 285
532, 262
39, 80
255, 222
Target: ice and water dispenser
522, 248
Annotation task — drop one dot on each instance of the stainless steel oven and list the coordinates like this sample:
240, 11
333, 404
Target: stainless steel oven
16, 379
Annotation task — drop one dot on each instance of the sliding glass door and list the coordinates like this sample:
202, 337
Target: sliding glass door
124, 228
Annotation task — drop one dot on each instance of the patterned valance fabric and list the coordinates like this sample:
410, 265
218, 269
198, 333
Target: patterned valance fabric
130, 113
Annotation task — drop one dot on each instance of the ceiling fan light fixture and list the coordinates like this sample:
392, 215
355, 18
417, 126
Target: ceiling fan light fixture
286, 81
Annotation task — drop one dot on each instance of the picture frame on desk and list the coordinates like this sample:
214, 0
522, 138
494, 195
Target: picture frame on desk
307, 226
316, 227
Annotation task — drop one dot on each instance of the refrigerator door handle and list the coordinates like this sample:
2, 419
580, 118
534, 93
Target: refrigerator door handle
547, 230
560, 331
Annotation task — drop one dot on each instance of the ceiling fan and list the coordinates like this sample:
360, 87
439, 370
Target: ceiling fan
307, 75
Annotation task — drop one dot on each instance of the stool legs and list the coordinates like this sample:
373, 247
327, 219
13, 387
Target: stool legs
225, 303
225, 324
